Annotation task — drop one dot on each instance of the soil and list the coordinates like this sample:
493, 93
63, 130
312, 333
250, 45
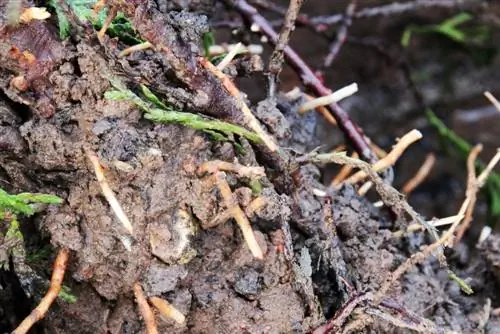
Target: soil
320, 250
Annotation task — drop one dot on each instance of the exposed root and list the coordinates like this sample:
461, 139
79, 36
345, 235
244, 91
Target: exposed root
481, 179
255, 205
243, 171
492, 99
145, 309
108, 193
364, 188
336, 96
344, 172
238, 214
391, 158
167, 310
472, 188
390, 196
54, 289
135, 48
107, 23
34, 13
252, 122
421, 174
469, 204
230, 56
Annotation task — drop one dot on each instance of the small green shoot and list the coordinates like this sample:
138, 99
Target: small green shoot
120, 27
23, 203
158, 112
451, 29
65, 295
461, 283
208, 41
462, 148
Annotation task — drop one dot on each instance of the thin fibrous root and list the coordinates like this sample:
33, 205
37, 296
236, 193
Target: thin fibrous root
230, 56
344, 172
167, 310
492, 99
472, 189
54, 289
252, 122
107, 23
478, 183
238, 214
135, 48
255, 205
421, 174
145, 309
336, 96
391, 158
108, 193
243, 171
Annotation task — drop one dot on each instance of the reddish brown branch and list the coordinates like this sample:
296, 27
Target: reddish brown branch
55, 287
352, 131
341, 35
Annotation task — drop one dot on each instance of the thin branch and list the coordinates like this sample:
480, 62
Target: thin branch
351, 130
336, 322
167, 310
341, 35
145, 309
55, 287
277, 57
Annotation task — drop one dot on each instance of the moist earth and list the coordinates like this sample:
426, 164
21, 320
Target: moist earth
320, 250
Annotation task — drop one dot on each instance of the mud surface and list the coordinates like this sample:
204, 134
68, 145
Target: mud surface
322, 246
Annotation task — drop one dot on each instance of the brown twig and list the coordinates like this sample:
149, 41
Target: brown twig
277, 58
54, 289
145, 309
243, 171
167, 310
341, 35
351, 130
238, 214
336, 322
421, 174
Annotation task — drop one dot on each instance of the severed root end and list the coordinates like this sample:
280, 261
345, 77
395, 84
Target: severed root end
168, 310
145, 309
238, 215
